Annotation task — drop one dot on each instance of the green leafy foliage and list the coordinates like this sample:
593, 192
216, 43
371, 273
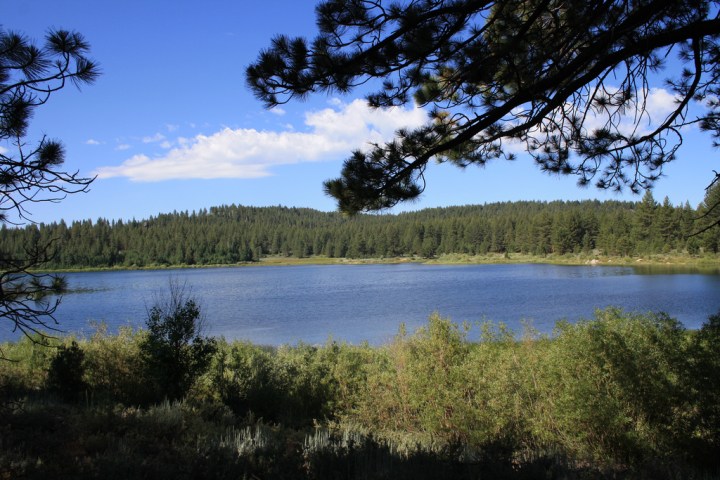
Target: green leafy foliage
245, 381
174, 351
292, 385
617, 382
115, 370
609, 390
701, 422
26, 363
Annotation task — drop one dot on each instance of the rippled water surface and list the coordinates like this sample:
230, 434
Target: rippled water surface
276, 305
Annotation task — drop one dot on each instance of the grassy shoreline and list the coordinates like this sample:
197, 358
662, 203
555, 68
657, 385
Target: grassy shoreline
705, 262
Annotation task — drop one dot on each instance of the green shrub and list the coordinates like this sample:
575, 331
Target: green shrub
635, 395
700, 414
418, 383
114, 370
347, 375
502, 373
174, 351
614, 391
610, 387
307, 383
245, 379
294, 385
65, 376
25, 365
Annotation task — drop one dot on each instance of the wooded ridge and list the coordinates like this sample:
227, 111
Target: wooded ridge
233, 234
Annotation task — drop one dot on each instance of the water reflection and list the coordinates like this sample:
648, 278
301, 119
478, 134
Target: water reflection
675, 270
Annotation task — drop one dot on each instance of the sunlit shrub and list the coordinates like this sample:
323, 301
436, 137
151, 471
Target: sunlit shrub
622, 392
503, 371
291, 384
347, 367
323, 382
247, 441
610, 391
306, 381
418, 383
610, 387
113, 365
244, 376
24, 365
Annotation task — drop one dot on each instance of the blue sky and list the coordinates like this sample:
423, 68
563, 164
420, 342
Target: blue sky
170, 124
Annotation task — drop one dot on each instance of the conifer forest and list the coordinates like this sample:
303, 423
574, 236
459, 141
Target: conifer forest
234, 234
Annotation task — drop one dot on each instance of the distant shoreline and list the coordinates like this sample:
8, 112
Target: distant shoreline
709, 262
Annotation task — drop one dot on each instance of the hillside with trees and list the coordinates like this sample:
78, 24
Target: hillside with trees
234, 234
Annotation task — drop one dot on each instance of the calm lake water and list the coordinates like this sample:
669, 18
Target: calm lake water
276, 305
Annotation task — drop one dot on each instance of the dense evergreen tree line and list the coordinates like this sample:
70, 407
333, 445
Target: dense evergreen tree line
232, 234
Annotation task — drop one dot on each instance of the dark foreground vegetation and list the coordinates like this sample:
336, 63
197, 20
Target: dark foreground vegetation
619, 396
232, 234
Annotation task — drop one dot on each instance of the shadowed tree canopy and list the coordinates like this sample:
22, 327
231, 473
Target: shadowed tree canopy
32, 172
709, 209
569, 82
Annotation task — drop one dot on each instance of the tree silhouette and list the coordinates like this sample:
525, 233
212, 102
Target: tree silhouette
568, 81
709, 216
32, 173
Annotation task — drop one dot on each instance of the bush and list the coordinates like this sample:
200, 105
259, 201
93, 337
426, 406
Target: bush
114, 369
633, 395
293, 385
701, 425
246, 381
611, 387
175, 353
25, 364
614, 391
419, 383
65, 376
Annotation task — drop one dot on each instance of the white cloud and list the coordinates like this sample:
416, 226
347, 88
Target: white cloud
251, 153
277, 111
122, 146
92, 141
357, 123
658, 104
158, 137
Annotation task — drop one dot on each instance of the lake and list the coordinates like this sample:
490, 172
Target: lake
287, 304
